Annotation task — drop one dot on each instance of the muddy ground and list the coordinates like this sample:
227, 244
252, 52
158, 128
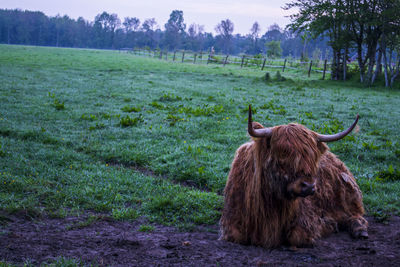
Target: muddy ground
112, 243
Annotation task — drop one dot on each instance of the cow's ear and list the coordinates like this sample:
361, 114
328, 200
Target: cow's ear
257, 125
322, 147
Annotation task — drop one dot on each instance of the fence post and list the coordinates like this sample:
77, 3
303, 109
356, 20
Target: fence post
194, 59
263, 65
226, 59
201, 56
174, 55
155, 52
166, 55
183, 56
209, 58
284, 65
323, 75
241, 65
160, 56
309, 69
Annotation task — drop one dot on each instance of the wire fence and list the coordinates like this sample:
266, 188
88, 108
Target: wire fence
243, 61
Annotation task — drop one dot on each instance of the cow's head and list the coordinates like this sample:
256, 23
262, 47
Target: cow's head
293, 155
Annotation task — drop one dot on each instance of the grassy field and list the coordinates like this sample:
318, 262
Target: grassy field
130, 136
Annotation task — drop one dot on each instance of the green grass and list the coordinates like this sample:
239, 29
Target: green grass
134, 136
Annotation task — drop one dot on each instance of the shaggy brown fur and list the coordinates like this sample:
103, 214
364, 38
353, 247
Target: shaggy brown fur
262, 205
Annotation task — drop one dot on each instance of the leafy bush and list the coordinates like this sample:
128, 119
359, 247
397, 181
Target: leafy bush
267, 77
279, 77
56, 102
97, 126
128, 121
88, 117
146, 228
173, 119
169, 97
125, 214
389, 175
157, 105
131, 109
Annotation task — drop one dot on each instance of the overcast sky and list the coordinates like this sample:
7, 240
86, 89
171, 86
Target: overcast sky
204, 12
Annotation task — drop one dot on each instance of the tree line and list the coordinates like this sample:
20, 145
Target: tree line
366, 31
108, 31
343, 31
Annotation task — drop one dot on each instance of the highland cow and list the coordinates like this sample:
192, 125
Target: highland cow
286, 188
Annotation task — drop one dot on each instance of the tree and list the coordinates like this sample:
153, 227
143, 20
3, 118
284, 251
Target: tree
131, 24
274, 33
390, 41
254, 33
195, 36
107, 24
225, 30
349, 24
174, 29
322, 17
274, 49
255, 30
149, 26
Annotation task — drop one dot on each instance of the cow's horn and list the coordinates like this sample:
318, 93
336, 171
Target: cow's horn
338, 136
264, 132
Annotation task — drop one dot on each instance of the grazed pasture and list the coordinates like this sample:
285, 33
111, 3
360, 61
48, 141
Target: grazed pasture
137, 137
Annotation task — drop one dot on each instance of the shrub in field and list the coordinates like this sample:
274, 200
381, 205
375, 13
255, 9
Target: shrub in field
146, 228
204, 110
125, 214
2, 152
257, 60
309, 115
157, 105
131, 109
56, 102
389, 175
217, 59
269, 105
280, 110
173, 119
298, 88
279, 77
97, 126
88, 117
128, 121
267, 77
328, 127
58, 105
170, 97
276, 109
369, 146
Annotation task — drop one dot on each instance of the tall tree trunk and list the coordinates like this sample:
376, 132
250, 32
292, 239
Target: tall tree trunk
386, 69
378, 69
383, 51
397, 70
346, 51
371, 64
58, 36
361, 63
336, 70
8, 35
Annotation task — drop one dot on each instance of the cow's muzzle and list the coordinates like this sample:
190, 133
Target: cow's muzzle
307, 189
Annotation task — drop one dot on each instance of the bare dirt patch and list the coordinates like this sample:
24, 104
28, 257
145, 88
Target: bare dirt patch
112, 243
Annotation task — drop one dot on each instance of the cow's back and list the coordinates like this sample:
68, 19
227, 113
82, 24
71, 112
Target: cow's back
338, 195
